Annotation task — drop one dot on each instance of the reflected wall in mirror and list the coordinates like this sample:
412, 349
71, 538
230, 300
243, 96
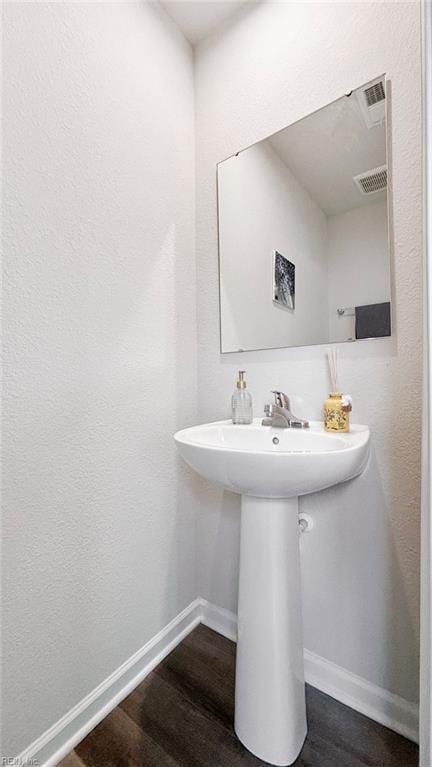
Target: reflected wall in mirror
303, 230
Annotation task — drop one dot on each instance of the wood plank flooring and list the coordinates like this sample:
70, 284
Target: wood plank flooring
182, 716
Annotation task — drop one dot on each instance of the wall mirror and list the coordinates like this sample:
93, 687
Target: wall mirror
303, 230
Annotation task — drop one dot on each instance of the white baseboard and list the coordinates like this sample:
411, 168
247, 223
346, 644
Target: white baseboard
54, 744
374, 702
220, 620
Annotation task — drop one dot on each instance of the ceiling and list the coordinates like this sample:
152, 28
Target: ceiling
199, 18
326, 149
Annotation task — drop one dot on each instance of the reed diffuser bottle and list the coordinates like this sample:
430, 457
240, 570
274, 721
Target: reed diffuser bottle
337, 407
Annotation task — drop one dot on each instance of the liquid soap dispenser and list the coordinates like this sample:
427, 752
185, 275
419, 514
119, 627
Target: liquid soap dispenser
241, 402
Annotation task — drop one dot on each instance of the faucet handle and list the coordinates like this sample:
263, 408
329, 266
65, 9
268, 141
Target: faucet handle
268, 410
281, 399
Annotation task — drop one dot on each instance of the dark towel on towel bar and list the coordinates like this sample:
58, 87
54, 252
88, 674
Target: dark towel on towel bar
372, 321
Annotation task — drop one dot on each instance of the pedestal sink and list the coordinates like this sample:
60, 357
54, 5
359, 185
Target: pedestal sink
270, 468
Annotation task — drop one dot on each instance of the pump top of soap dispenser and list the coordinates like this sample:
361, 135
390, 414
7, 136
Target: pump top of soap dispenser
241, 383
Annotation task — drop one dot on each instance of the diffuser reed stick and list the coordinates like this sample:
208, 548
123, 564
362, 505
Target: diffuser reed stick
332, 357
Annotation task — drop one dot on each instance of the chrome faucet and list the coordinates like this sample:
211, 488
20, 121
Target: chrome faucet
279, 414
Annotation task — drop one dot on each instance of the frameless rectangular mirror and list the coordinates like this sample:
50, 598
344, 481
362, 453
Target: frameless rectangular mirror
303, 230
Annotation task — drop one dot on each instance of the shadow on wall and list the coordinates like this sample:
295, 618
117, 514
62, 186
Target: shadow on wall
218, 528
168, 342
358, 590
180, 579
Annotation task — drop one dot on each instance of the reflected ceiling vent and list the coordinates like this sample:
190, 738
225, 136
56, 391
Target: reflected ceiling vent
372, 181
371, 99
374, 93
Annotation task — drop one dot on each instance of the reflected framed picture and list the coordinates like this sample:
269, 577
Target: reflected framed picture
283, 281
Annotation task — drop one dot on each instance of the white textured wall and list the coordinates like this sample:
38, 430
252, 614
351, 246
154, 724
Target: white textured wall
99, 334
271, 66
358, 264
99, 328
263, 208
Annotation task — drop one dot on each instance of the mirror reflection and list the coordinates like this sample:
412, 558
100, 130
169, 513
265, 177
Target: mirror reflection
303, 230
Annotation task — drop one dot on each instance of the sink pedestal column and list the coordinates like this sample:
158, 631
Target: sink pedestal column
270, 710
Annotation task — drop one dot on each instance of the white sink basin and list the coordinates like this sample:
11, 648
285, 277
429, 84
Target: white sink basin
270, 467
246, 460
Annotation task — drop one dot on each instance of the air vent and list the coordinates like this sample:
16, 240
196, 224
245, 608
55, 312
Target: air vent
372, 181
374, 93
371, 99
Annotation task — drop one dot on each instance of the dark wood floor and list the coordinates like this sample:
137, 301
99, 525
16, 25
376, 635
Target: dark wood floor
182, 716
